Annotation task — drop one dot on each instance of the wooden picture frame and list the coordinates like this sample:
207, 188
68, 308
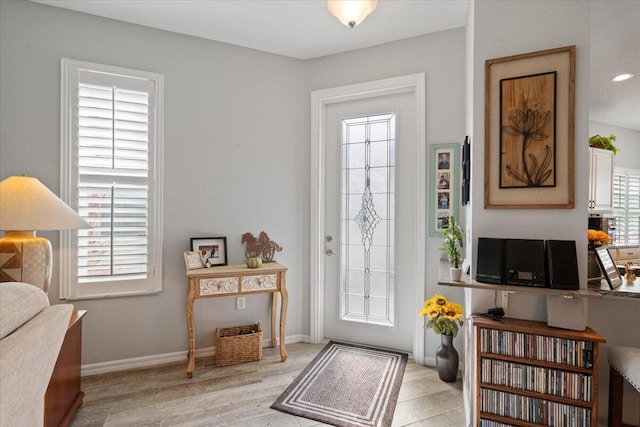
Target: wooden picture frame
443, 188
212, 249
529, 130
193, 260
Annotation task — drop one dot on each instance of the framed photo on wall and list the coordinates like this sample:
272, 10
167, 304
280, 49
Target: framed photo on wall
443, 186
212, 249
529, 130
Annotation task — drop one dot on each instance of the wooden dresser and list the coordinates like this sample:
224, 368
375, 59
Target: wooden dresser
64, 397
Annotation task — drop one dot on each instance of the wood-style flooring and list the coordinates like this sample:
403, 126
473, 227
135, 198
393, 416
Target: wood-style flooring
241, 395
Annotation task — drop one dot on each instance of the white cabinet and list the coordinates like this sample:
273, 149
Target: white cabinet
600, 180
624, 255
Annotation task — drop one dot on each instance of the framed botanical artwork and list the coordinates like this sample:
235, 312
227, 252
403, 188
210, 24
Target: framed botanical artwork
193, 259
529, 130
443, 186
212, 249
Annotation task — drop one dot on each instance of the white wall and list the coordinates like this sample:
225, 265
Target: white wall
610, 316
499, 29
565, 23
627, 140
236, 160
525, 26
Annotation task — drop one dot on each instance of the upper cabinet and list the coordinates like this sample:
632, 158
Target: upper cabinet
600, 180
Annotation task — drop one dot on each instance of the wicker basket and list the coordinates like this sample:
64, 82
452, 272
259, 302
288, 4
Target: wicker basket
238, 344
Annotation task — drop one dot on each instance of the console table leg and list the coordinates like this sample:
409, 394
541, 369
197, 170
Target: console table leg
192, 337
283, 317
274, 309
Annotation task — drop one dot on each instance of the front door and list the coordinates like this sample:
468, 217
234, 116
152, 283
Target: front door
370, 211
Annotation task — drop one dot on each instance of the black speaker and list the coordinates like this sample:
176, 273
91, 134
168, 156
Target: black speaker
524, 262
490, 265
562, 264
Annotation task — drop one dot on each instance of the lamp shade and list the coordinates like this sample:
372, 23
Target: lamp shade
26, 204
351, 12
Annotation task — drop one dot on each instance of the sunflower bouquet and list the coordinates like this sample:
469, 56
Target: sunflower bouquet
597, 238
445, 317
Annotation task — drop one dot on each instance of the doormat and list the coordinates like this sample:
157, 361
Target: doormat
347, 385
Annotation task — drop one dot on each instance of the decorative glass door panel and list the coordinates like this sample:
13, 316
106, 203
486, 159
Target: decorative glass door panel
367, 219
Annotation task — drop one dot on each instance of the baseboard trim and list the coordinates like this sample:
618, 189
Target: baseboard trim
430, 361
160, 359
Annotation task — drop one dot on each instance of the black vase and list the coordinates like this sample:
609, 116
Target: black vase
447, 359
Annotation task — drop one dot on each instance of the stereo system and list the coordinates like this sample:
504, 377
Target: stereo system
528, 262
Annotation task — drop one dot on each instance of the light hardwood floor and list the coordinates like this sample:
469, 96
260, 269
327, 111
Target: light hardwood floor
241, 395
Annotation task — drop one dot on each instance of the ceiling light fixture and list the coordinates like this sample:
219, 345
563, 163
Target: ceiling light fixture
351, 12
621, 77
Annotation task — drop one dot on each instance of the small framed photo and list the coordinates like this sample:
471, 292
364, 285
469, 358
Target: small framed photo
212, 249
443, 186
193, 260
608, 267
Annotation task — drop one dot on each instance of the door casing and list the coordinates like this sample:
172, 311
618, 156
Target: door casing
320, 99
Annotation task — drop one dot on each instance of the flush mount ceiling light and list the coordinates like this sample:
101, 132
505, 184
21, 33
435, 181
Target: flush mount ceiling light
621, 77
351, 12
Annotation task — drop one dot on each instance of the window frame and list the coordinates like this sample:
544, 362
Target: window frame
626, 212
70, 288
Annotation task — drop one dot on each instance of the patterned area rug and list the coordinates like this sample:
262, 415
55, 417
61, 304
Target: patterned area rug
347, 385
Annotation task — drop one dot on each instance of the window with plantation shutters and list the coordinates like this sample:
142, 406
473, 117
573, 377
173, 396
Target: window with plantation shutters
111, 175
626, 206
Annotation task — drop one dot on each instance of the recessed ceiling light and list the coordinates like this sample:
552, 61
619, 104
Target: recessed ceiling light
621, 77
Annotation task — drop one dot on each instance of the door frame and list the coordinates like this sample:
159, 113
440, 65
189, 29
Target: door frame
320, 100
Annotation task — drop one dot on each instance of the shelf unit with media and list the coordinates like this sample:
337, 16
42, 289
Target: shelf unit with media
529, 374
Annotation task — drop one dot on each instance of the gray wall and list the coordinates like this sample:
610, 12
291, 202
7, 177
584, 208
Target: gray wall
233, 114
236, 160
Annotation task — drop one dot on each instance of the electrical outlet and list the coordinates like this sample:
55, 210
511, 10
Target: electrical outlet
240, 303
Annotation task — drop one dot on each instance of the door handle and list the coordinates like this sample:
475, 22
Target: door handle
329, 252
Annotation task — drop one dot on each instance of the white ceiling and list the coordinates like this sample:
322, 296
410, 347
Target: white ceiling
304, 29
615, 49
301, 29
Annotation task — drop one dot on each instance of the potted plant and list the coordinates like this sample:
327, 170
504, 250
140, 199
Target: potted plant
445, 318
604, 142
452, 238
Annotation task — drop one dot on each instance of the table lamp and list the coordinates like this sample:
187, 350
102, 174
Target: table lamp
26, 205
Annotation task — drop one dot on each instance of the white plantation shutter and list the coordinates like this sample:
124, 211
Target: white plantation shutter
112, 161
626, 206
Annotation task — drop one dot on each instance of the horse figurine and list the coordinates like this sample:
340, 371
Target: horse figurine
254, 248
269, 247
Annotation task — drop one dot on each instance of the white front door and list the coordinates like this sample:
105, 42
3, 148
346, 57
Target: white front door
371, 177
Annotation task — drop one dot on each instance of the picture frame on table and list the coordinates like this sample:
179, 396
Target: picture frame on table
212, 249
608, 267
443, 186
193, 260
529, 130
